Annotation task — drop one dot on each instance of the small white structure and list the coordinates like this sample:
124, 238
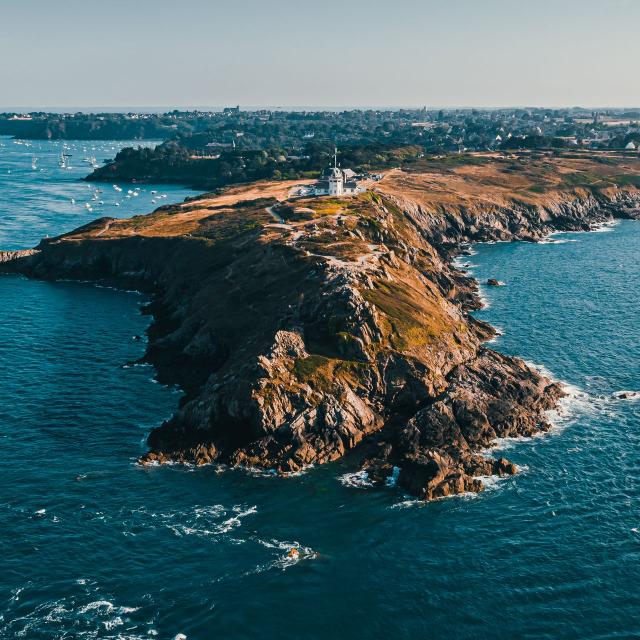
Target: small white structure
630, 147
337, 182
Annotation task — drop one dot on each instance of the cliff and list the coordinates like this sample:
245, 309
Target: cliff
304, 330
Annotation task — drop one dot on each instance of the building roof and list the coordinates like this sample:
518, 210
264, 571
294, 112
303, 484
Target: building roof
332, 172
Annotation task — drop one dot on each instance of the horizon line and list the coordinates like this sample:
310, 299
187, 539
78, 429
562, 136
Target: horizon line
253, 107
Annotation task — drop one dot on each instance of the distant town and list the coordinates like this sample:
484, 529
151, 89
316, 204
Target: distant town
450, 130
213, 149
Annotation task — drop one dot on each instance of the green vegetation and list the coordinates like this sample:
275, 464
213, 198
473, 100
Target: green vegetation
175, 162
631, 180
414, 321
322, 373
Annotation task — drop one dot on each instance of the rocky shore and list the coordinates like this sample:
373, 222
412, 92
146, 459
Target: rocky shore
10, 256
343, 331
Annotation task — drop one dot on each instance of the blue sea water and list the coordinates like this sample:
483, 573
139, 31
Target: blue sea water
38, 198
93, 546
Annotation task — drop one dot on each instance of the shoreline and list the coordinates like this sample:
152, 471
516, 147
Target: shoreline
377, 443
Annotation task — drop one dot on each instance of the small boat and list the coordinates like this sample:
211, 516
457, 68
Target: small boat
63, 162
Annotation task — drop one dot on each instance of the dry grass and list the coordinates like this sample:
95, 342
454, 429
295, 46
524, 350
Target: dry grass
499, 180
471, 181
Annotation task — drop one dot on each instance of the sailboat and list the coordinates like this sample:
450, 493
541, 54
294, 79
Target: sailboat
63, 163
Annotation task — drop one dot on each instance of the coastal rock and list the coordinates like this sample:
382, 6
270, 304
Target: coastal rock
11, 256
336, 334
433, 475
502, 467
627, 395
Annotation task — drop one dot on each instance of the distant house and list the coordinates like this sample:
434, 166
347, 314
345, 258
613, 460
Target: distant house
337, 182
220, 145
631, 146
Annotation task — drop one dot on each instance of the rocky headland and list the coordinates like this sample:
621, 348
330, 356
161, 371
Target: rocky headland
306, 330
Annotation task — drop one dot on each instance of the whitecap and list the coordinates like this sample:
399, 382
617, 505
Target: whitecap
98, 604
550, 240
257, 472
357, 480
484, 301
128, 609
392, 480
492, 482
626, 395
235, 521
407, 504
541, 369
499, 332
113, 623
293, 553
605, 227
294, 474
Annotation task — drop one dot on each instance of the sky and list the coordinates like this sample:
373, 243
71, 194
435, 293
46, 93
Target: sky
435, 53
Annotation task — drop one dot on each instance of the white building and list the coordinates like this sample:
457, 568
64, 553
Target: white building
337, 182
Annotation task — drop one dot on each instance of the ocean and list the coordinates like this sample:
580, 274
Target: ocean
94, 546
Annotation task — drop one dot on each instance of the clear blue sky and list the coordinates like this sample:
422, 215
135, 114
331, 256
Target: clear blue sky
323, 53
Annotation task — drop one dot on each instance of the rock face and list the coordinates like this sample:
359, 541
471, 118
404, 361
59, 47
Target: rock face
493, 396
10, 256
344, 330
